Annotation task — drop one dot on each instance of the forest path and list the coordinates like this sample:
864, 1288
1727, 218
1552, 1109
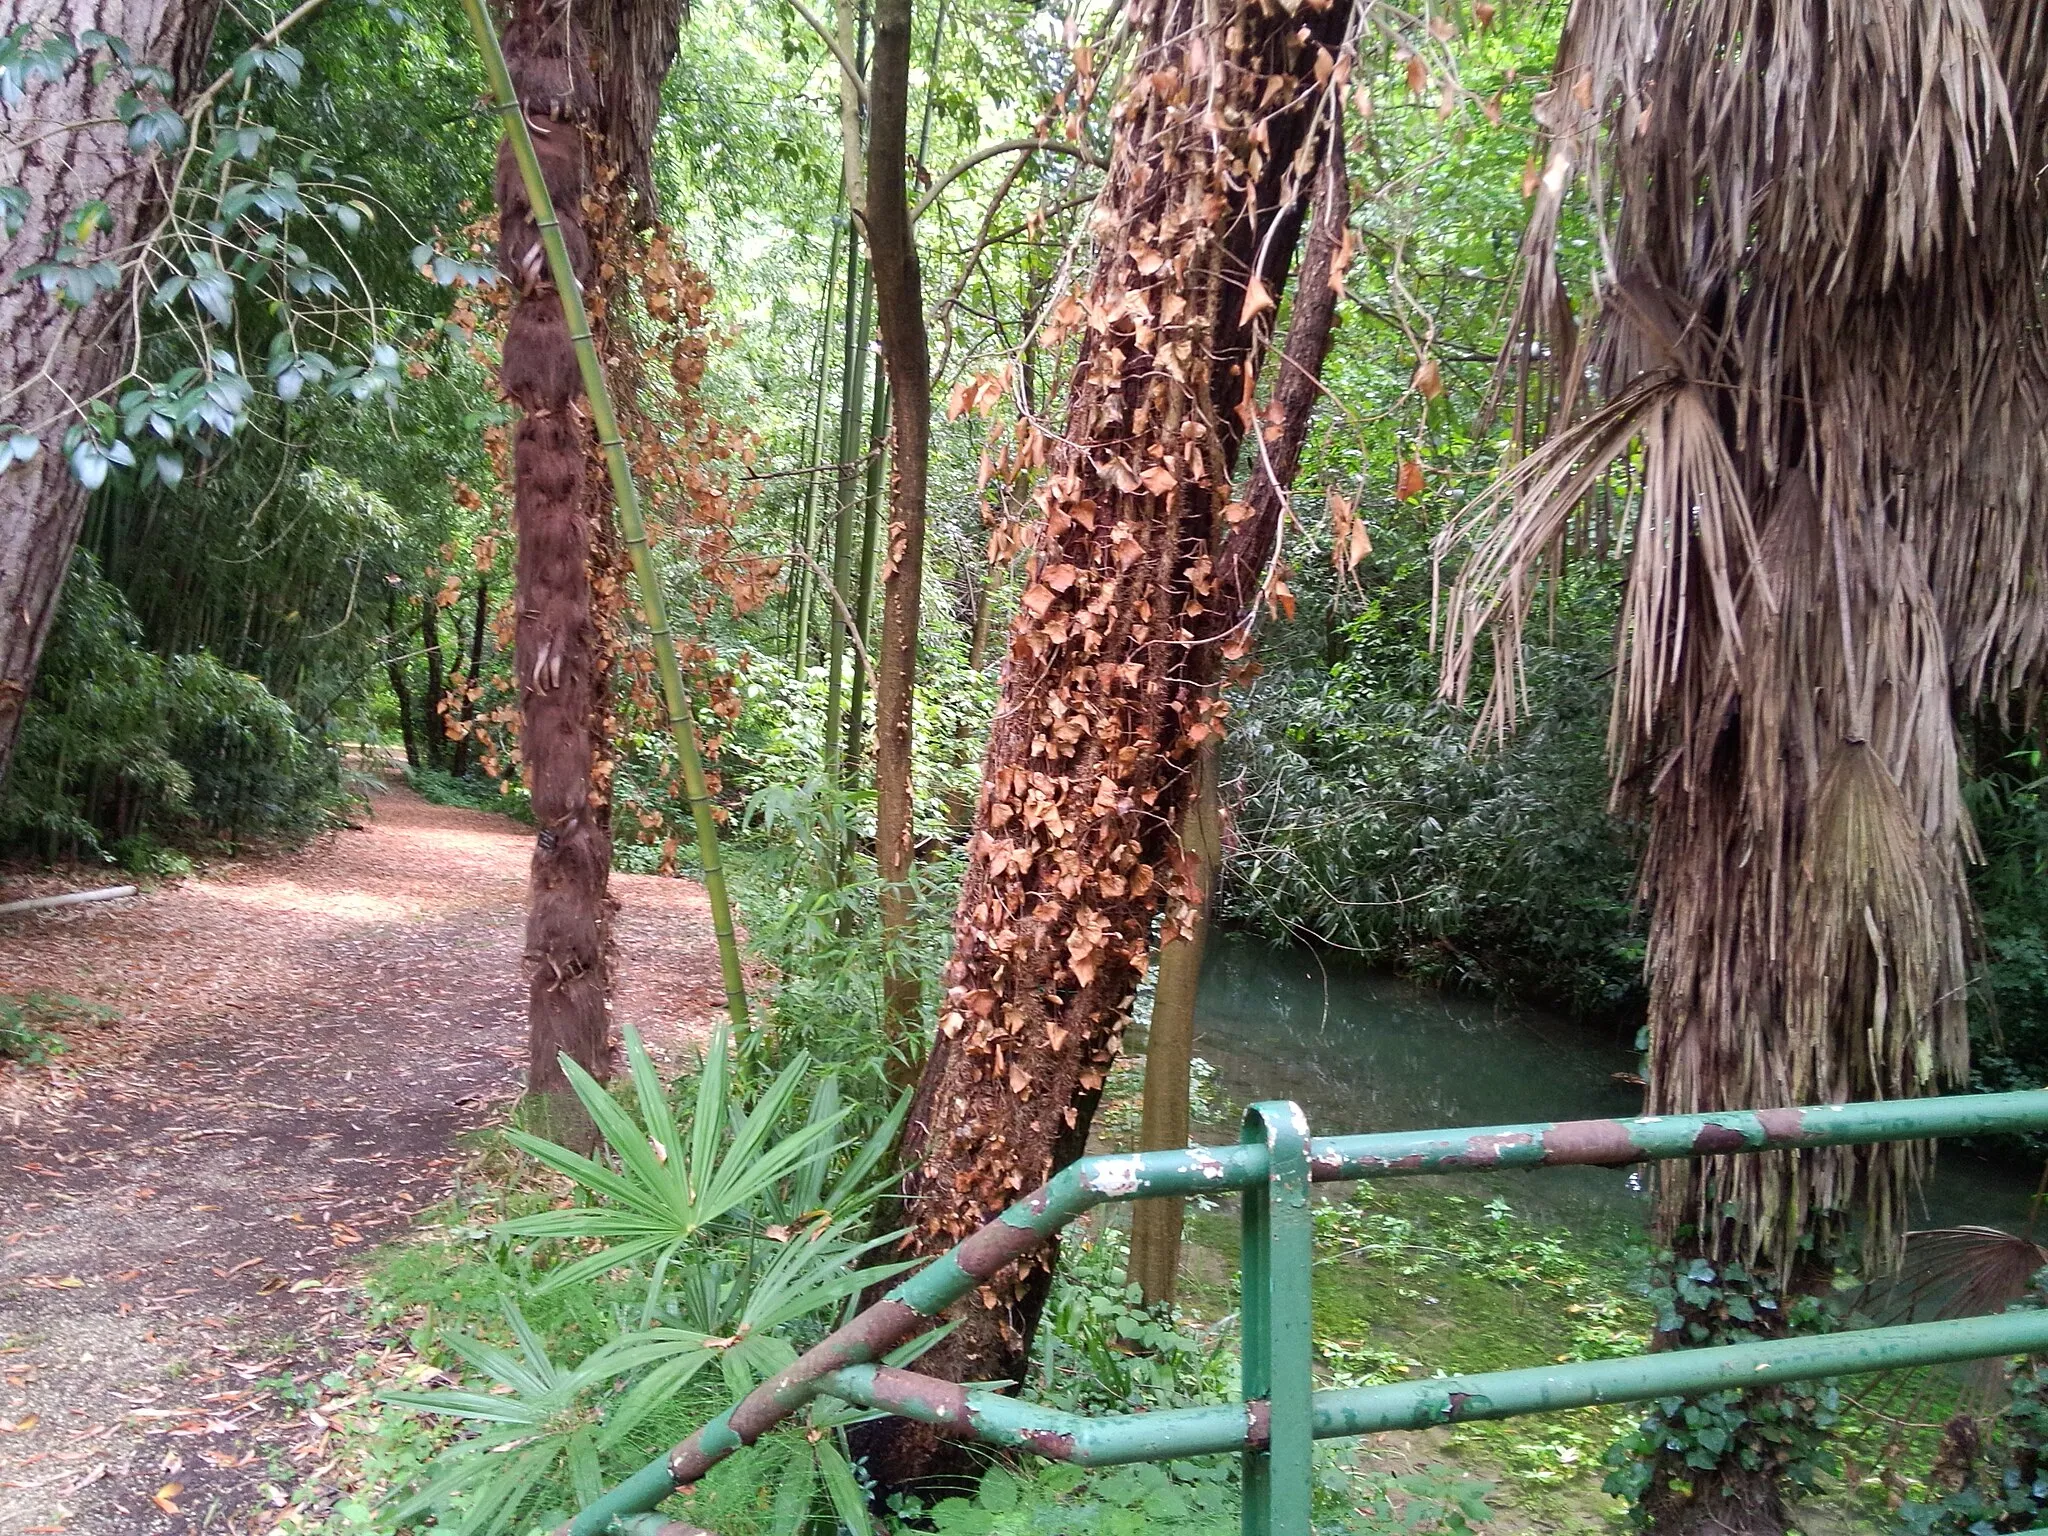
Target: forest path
301, 1041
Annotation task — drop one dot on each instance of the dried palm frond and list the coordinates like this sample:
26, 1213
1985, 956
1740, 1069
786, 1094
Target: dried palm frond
1965, 1271
1821, 339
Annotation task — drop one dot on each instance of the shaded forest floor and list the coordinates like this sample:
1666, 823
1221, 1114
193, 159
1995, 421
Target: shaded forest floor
297, 1044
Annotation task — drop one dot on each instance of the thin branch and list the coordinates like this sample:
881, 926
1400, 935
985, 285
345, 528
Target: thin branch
1080, 152
832, 41
839, 603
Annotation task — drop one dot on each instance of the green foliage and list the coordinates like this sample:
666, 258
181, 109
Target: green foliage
437, 786
2011, 1493
808, 897
714, 1243
533, 1432
718, 1173
2009, 1012
1371, 821
1103, 1349
1200, 1498
266, 258
1784, 1430
122, 748
25, 1032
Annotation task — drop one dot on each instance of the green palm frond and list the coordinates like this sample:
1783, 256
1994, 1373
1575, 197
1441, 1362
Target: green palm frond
673, 1186
530, 1435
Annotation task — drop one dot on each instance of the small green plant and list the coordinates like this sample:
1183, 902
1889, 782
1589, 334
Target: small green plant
536, 1434
1103, 1349
703, 1253
25, 1035
2001, 1485
470, 793
1198, 1497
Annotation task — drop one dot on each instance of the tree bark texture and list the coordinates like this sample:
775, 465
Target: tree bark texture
1106, 686
906, 352
591, 98
1247, 550
50, 356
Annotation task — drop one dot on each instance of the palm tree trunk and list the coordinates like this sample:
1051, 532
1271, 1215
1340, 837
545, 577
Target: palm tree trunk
561, 518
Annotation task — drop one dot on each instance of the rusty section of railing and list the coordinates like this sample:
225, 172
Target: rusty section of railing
1280, 1414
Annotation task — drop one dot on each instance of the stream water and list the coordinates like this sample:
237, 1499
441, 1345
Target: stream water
1363, 1051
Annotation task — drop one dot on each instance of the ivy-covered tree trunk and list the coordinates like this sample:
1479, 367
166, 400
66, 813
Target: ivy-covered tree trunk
1106, 688
587, 138
1269, 478
73, 153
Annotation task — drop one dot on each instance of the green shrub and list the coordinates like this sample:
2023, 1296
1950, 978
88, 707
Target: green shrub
24, 1032
122, 750
1366, 817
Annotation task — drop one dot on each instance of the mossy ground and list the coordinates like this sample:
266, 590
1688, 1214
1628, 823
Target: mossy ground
1413, 1280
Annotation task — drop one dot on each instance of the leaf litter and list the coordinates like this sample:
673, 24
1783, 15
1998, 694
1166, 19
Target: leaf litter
298, 1041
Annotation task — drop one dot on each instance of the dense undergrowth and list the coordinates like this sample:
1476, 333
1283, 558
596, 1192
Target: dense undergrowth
135, 758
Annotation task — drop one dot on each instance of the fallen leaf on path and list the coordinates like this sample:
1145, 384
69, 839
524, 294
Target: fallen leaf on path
163, 1496
22, 1425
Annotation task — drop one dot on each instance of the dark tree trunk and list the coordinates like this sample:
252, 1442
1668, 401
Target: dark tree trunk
435, 709
394, 670
1106, 689
50, 357
584, 92
906, 351
470, 683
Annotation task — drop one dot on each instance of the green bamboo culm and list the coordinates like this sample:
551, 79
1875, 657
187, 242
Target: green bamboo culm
632, 527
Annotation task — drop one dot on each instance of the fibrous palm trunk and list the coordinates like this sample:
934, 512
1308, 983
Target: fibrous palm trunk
1824, 326
561, 514
72, 152
1106, 689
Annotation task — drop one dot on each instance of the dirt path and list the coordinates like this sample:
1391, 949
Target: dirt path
301, 1041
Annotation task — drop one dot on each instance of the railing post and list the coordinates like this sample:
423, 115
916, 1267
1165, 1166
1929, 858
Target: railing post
1275, 1256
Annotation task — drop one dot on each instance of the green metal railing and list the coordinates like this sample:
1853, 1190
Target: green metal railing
1281, 1414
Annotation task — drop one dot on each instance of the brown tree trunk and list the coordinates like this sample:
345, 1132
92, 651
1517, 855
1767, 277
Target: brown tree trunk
463, 743
1106, 686
899, 308
561, 518
51, 357
436, 706
1170, 1046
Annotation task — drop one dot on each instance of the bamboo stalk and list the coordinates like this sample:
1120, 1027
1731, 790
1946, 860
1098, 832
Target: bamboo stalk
864, 601
804, 580
852, 407
626, 496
